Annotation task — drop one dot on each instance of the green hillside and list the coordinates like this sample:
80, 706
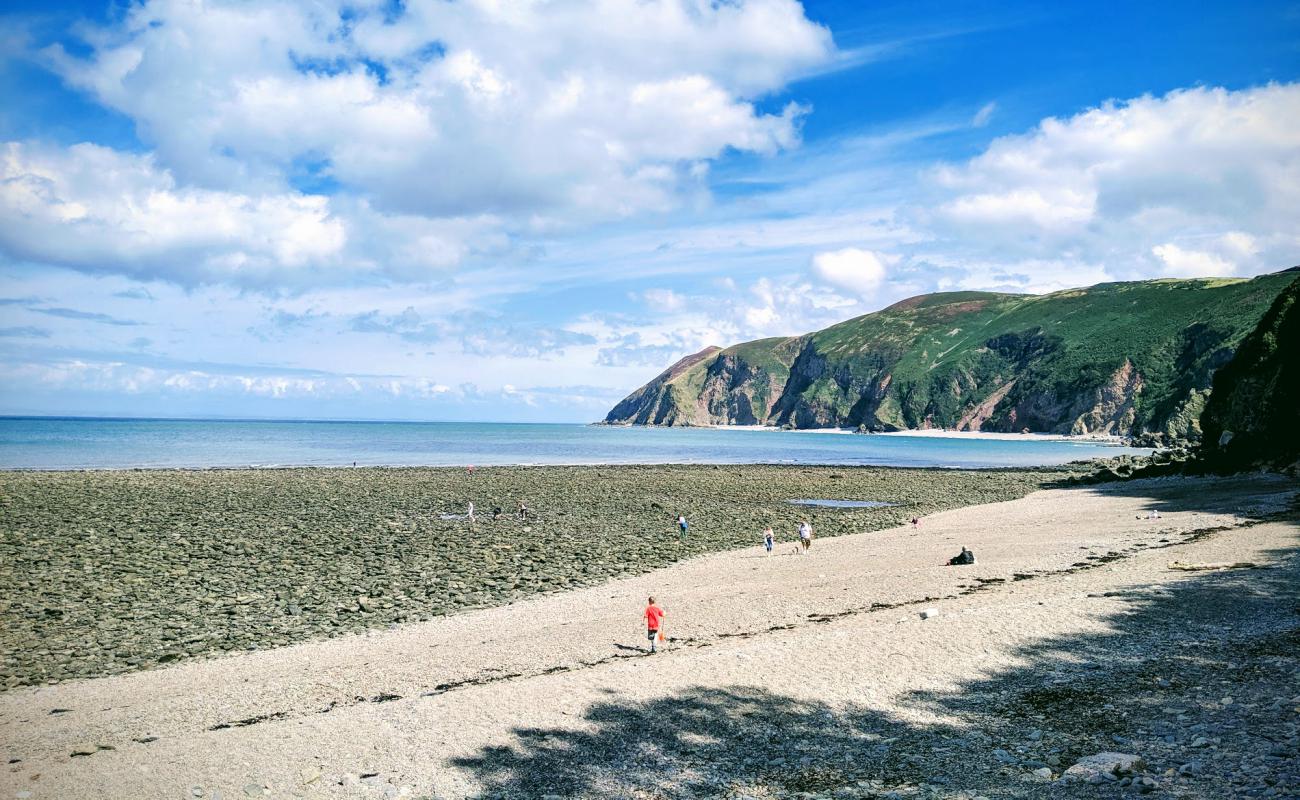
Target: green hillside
1121, 358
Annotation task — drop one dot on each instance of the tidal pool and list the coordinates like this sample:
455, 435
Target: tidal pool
840, 503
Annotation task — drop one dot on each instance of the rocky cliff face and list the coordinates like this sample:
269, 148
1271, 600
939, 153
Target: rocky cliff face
1126, 359
1252, 417
655, 403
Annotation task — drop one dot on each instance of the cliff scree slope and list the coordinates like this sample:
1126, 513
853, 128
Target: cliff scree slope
1128, 359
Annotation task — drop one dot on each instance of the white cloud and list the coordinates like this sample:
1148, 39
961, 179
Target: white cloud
1046, 209
985, 114
443, 130
102, 375
859, 271
1116, 184
1180, 263
1034, 276
663, 299
90, 205
785, 305
100, 210
559, 110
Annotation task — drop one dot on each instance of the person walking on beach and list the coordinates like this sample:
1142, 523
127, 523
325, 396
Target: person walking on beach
523, 510
769, 539
654, 617
682, 525
469, 513
805, 535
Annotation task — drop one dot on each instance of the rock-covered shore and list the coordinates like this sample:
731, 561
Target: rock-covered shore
111, 572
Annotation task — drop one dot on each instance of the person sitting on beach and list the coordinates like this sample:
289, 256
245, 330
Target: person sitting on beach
496, 512
963, 558
769, 539
805, 535
682, 525
522, 511
654, 616
916, 522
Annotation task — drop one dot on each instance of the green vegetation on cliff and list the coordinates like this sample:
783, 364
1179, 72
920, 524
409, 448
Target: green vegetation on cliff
1120, 358
1253, 416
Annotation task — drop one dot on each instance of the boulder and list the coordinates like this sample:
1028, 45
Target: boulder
1104, 766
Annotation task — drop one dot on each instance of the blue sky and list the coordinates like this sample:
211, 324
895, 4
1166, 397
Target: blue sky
522, 211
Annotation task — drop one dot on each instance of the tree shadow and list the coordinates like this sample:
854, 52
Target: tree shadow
1154, 683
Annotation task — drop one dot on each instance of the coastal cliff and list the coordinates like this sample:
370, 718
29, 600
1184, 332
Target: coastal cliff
1252, 418
1133, 359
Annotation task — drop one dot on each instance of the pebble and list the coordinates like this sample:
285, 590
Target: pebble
191, 564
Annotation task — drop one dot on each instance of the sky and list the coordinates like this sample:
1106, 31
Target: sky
516, 210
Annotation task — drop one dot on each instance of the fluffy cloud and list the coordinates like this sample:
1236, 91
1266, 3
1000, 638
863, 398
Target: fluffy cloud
100, 210
474, 107
1121, 184
859, 271
438, 131
93, 207
782, 306
1191, 263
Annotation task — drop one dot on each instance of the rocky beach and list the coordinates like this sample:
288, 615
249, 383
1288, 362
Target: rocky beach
1093, 651
104, 572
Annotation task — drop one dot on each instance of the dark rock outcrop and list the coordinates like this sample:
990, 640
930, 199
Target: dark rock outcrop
1252, 418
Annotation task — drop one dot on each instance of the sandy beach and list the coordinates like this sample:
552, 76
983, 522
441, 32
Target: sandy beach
939, 433
784, 674
944, 433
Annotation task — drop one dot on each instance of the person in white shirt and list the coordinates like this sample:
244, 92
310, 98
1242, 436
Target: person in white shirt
805, 535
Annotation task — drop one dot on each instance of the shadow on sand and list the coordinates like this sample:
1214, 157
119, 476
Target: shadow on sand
1154, 685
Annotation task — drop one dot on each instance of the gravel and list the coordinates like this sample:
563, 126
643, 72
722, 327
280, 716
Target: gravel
107, 572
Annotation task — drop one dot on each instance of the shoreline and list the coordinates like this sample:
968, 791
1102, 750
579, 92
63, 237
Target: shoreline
782, 675
480, 467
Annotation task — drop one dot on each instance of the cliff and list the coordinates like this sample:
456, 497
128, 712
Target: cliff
1252, 418
1127, 359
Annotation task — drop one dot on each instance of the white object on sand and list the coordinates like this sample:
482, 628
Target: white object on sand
927, 613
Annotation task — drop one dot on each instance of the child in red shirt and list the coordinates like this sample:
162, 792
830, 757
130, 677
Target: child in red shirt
653, 617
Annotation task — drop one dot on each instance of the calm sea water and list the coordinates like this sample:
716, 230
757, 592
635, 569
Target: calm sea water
62, 443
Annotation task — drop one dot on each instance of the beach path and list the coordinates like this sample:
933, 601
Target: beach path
417, 710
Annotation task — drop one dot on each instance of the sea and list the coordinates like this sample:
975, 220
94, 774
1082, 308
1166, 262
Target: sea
63, 443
